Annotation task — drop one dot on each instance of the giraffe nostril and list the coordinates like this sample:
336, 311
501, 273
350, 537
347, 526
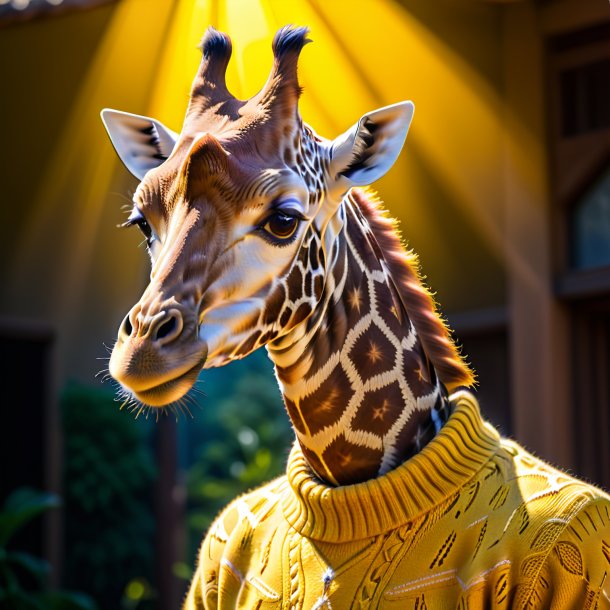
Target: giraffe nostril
127, 327
167, 328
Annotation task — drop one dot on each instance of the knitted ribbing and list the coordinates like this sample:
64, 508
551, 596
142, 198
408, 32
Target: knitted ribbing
352, 512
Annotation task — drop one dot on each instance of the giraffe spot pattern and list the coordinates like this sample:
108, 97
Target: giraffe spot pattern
303, 310
285, 317
268, 336
373, 353
295, 284
323, 404
377, 405
273, 307
415, 360
352, 458
372, 357
318, 285
308, 283
314, 260
249, 343
295, 416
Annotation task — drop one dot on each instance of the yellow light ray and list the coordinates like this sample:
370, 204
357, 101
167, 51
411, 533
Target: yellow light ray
176, 69
75, 186
251, 34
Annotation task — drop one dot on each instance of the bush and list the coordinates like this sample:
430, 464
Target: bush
22, 575
108, 481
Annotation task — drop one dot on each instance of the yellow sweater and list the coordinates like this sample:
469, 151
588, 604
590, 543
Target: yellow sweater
471, 522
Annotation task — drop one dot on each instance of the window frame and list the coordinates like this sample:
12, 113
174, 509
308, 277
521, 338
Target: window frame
577, 161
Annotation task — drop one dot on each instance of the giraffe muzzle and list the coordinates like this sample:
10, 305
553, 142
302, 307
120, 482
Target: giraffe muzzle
158, 356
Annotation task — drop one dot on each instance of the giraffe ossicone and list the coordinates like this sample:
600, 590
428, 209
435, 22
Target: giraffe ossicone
259, 236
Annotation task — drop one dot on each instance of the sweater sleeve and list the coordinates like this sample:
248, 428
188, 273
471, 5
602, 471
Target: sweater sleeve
575, 574
203, 592
218, 578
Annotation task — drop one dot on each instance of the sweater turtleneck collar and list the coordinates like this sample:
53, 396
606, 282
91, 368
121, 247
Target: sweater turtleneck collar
354, 512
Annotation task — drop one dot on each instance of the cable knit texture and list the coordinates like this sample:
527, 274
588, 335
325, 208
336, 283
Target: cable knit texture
473, 521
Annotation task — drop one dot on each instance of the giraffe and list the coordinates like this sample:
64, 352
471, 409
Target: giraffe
259, 236
396, 494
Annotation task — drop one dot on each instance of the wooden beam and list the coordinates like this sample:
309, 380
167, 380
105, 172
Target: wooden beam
478, 321
562, 16
169, 517
539, 325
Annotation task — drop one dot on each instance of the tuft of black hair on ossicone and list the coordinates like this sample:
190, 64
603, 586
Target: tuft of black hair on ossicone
215, 44
289, 40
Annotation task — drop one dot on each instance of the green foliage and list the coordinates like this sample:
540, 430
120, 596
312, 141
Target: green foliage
23, 576
243, 440
109, 521
20, 508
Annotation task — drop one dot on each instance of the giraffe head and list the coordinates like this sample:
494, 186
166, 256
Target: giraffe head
238, 213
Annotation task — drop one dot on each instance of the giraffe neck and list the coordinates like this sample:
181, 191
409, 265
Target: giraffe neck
357, 385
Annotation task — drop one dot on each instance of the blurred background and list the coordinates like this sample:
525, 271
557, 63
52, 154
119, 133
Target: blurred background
503, 189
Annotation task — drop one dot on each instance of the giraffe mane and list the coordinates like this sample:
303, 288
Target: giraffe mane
450, 366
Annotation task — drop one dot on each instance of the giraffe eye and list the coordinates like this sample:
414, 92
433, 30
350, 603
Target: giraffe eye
146, 230
137, 218
281, 226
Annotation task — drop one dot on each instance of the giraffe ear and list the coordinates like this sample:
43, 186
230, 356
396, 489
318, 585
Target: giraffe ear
141, 143
366, 152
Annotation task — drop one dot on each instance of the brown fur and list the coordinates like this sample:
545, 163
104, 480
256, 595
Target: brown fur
419, 303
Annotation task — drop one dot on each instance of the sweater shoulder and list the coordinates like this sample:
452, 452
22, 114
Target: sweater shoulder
529, 507
568, 558
512, 533
247, 509
545, 489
